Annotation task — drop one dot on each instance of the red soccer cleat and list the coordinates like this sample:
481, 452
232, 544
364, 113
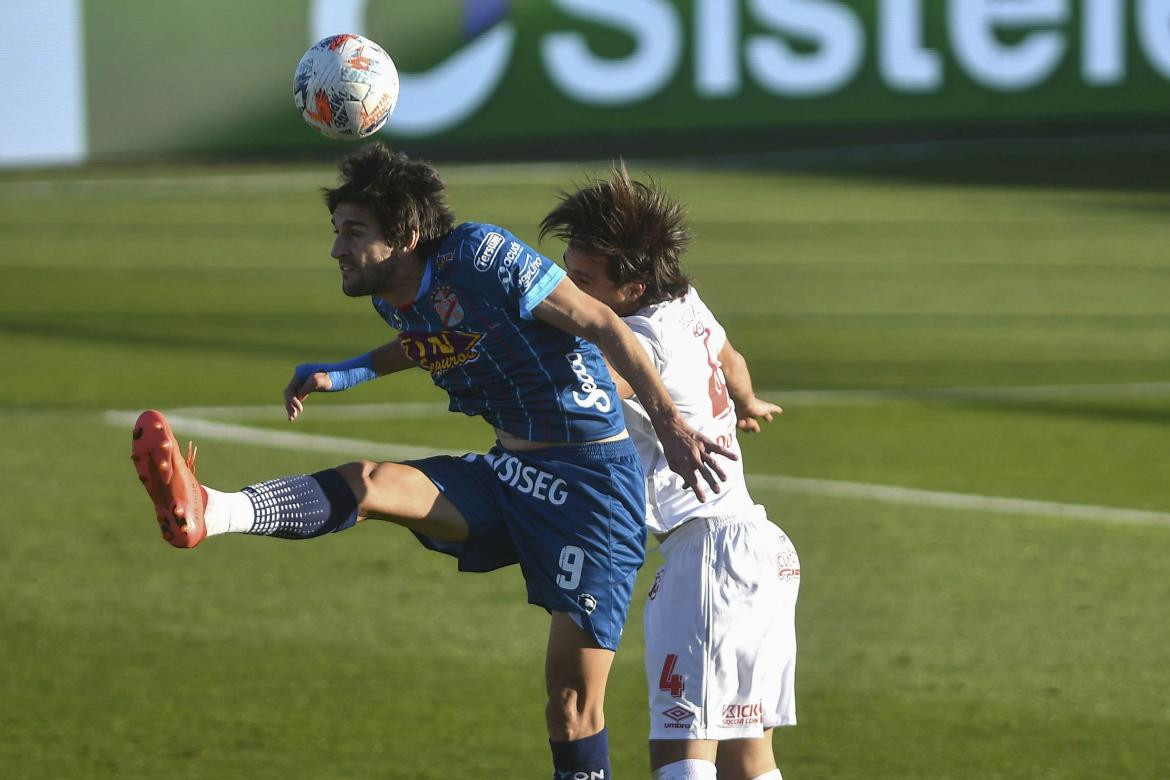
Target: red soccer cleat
169, 479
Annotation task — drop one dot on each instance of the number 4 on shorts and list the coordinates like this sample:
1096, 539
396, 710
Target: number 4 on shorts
669, 681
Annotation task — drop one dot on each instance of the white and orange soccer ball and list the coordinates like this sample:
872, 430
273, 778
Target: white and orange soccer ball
346, 87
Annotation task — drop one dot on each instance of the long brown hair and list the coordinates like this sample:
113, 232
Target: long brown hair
639, 228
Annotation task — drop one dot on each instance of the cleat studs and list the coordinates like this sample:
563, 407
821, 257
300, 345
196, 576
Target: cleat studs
137, 433
165, 446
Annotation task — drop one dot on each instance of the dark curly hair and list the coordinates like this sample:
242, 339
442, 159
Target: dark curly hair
405, 194
637, 227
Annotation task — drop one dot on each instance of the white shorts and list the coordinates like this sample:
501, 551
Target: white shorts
721, 630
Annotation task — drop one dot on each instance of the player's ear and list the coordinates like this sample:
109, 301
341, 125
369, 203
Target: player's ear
413, 240
635, 291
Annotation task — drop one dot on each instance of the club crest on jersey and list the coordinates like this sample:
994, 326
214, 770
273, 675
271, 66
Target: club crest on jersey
485, 255
437, 352
447, 306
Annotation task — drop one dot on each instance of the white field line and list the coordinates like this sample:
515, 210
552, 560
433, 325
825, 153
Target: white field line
284, 440
794, 398
408, 410
887, 494
892, 494
1098, 392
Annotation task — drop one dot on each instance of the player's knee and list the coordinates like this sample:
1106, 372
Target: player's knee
751, 759
571, 714
359, 476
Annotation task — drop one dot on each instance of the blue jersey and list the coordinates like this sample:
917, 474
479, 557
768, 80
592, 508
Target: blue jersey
471, 327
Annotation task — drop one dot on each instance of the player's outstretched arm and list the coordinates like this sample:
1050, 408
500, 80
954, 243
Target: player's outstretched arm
310, 378
689, 453
749, 409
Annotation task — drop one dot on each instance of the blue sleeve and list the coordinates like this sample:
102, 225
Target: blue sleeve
542, 276
508, 269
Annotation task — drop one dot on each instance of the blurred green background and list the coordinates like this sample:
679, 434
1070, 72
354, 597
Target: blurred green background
1013, 341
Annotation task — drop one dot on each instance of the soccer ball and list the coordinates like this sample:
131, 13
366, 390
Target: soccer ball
346, 87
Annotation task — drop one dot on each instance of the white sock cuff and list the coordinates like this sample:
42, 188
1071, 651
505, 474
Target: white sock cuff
688, 769
773, 775
228, 513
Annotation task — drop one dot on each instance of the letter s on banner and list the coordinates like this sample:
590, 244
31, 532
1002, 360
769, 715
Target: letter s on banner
657, 34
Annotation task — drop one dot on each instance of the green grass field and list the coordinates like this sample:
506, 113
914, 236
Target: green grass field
943, 634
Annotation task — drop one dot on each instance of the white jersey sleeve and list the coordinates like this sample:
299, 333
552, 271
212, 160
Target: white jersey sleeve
683, 340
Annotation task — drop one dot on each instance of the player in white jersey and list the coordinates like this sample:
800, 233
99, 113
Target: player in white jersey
720, 620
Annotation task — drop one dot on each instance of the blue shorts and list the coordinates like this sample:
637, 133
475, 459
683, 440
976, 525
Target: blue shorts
571, 516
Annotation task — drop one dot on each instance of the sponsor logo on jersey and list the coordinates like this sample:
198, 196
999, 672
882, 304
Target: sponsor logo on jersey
591, 395
513, 252
447, 306
488, 249
788, 566
531, 481
526, 278
439, 351
681, 717
742, 714
587, 602
504, 271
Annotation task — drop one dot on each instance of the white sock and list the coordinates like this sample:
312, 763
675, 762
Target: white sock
688, 769
228, 513
773, 775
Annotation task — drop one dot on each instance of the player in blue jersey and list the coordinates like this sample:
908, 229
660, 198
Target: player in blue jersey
511, 339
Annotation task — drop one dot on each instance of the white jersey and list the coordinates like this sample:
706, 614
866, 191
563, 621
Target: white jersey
683, 340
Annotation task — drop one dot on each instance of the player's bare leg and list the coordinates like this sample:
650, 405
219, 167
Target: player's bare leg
746, 759
667, 755
402, 494
576, 671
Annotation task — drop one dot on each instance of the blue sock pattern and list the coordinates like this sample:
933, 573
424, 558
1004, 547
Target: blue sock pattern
303, 506
582, 759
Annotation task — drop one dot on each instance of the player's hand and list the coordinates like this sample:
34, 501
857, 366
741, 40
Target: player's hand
749, 413
307, 378
692, 455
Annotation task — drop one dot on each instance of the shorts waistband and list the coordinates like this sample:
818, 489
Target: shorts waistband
595, 452
698, 525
